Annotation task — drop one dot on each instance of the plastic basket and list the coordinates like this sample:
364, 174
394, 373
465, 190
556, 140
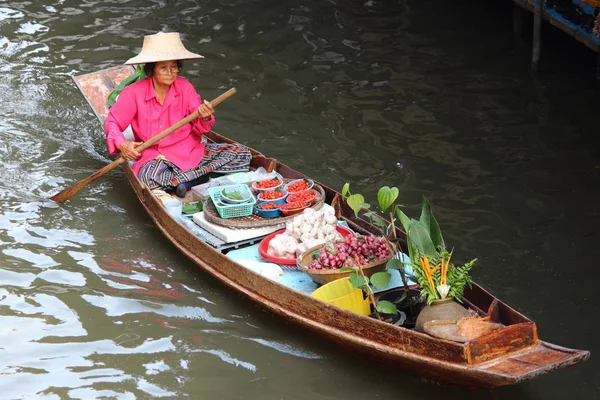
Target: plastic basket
232, 210
340, 293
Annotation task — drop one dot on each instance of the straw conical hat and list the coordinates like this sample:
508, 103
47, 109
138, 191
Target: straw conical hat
162, 47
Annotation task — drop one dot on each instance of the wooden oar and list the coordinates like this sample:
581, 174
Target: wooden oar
73, 190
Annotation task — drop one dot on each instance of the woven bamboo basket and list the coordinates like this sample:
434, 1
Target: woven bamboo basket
323, 276
255, 220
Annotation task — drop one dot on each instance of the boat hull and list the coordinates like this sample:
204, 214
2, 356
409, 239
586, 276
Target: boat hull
413, 352
503, 357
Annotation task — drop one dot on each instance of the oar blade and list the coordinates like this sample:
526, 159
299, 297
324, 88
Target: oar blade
76, 188
69, 192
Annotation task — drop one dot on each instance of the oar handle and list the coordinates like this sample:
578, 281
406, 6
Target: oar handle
184, 121
223, 97
73, 190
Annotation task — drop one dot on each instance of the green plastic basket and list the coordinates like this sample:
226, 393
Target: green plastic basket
232, 210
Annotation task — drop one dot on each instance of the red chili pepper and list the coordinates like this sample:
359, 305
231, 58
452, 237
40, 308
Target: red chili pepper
271, 195
298, 186
268, 183
293, 206
269, 206
307, 196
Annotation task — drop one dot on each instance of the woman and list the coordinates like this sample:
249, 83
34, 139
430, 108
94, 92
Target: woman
157, 102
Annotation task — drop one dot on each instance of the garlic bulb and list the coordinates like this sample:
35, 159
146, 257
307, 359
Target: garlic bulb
308, 229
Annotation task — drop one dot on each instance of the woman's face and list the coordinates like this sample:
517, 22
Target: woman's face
165, 72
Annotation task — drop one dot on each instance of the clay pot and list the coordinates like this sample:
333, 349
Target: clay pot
446, 309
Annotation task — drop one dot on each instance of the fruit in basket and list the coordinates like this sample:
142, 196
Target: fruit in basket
367, 249
305, 196
299, 185
271, 195
269, 206
267, 184
294, 206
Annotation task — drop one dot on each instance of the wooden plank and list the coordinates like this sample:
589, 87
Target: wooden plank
535, 361
537, 35
96, 87
586, 40
542, 356
511, 367
502, 342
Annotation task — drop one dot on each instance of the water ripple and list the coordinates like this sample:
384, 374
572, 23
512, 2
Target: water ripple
95, 303
121, 306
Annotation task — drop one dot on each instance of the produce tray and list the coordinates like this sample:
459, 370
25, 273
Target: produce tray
324, 276
232, 210
254, 220
264, 246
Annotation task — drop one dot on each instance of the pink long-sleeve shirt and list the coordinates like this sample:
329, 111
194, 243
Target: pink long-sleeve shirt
137, 105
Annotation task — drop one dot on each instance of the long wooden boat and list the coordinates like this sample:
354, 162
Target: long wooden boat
506, 356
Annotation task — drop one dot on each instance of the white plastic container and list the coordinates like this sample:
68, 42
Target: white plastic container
174, 207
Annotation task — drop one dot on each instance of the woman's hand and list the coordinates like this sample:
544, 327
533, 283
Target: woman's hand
128, 150
206, 110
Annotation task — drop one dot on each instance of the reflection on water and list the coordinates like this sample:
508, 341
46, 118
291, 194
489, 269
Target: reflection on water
94, 303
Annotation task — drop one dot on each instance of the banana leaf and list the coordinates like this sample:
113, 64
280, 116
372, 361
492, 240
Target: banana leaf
420, 239
431, 225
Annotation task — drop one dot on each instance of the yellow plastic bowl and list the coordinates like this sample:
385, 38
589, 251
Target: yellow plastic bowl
341, 294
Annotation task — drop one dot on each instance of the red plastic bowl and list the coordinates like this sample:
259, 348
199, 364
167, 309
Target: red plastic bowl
264, 246
310, 183
294, 208
255, 185
261, 194
291, 198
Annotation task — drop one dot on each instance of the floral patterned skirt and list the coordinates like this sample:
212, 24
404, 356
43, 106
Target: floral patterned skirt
218, 157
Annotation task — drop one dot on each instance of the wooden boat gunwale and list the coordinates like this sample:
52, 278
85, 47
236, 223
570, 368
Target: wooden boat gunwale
470, 363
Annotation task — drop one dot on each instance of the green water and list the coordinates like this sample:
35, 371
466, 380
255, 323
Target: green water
431, 96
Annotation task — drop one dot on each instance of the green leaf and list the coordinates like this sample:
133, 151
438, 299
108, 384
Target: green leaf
366, 206
358, 281
404, 220
386, 307
381, 279
420, 238
431, 224
386, 197
394, 263
355, 201
345, 190
402, 297
378, 221
369, 214
191, 208
412, 254
348, 269
391, 225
